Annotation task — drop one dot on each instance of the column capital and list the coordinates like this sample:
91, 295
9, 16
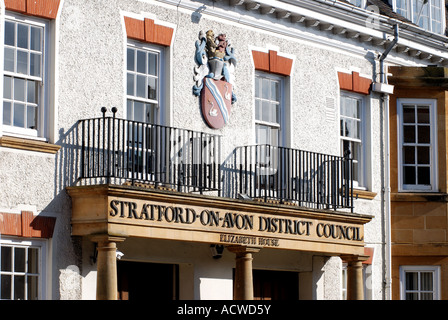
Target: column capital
101, 238
243, 249
354, 258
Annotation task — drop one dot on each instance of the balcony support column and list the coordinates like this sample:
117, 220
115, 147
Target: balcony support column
106, 278
355, 284
244, 286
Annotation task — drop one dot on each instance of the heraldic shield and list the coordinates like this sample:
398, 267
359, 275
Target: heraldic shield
216, 102
214, 78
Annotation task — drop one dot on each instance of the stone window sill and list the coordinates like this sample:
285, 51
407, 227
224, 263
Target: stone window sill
28, 144
363, 194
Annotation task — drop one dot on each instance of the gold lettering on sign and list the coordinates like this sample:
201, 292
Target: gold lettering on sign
253, 229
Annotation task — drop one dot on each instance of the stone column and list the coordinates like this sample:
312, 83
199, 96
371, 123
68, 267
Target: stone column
106, 278
355, 283
244, 286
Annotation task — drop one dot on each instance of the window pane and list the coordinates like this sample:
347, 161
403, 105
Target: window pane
22, 62
152, 64
130, 84
9, 33
31, 117
424, 175
265, 111
33, 286
265, 88
424, 134
411, 280
346, 146
409, 155
275, 91
22, 36
141, 61
355, 171
35, 60
7, 87
409, 134
19, 115
257, 109
411, 296
131, 59
6, 286
19, 89
9, 59
31, 91
6, 259
141, 86
276, 113
409, 175
423, 155
152, 88
274, 137
19, 259
262, 134
355, 150
352, 129
33, 260
408, 114
139, 111
7, 113
36, 36
258, 87
426, 281
353, 108
151, 110
426, 296
19, 287
402, 7
423, 114
130, 110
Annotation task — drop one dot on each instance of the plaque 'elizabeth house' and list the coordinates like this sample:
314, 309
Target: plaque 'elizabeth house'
237, 149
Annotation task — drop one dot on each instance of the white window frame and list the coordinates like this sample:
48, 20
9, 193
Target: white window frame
432, 103
281, 125
159, 101
41, 245
409, 14
435, 270
362, 161
42, 131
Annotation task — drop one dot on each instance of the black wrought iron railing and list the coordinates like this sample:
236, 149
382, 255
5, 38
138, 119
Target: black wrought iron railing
133, 151
289, 175
125, 151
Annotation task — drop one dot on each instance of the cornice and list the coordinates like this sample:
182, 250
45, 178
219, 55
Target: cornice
329, 16
167, 196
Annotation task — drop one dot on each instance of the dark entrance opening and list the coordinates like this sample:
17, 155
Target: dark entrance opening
275, 285
147, 281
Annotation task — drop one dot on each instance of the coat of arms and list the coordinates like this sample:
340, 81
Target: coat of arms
214, 77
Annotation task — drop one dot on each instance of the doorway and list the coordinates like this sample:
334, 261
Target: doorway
143, 281
275, 285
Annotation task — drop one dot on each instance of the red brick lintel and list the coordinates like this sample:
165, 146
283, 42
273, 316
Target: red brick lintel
26, 225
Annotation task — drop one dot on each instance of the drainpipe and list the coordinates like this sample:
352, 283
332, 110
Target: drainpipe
385, 53
386, 89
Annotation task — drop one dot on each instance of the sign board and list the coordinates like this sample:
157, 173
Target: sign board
186, 217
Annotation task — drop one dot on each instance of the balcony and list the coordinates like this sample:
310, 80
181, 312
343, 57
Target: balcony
119, 151
286, 175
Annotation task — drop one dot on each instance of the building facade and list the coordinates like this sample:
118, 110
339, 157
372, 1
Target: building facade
418, 205
230, 149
